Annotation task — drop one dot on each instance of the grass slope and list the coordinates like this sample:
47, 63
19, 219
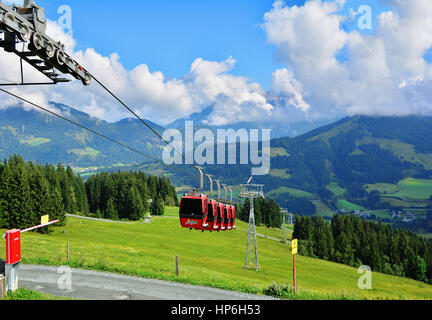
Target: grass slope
407, 190
211, 259
291, 191
348, 206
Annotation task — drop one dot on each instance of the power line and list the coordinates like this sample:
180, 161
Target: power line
145, 123
79, 125
138, 117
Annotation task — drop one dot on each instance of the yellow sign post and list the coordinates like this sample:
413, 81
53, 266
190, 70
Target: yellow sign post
44, 219
294, 248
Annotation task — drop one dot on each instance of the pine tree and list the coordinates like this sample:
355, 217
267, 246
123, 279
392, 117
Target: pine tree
5, 187
20, 209
421, 269
111, 212
135, 205
245, 212
56, 206
65, 189
40, 197
157, 207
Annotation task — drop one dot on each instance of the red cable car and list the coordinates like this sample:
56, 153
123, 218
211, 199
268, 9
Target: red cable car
229, 215
220, 217
226, 212
212, 216
194, 211
233, 217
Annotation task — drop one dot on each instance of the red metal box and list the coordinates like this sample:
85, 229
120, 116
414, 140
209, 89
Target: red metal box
13, 246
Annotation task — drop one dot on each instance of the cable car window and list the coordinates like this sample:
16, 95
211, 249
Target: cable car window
191, 207
210, 217
219, 215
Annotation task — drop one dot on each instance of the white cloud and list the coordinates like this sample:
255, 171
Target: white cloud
385, 73
150, 93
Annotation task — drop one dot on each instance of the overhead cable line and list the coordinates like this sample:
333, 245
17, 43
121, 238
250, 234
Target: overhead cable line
137, 116
199, 169
79, 125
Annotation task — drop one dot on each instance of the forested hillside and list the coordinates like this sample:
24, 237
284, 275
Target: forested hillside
129, 195
352, 241
29, 190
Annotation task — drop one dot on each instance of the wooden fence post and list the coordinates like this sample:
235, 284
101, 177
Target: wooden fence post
2, 286
68, 251
177, 265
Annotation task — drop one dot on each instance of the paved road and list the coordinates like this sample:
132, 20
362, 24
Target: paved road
92, 285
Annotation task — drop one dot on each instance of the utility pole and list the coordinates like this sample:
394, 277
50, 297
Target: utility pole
219, 189
252, 191
284, 229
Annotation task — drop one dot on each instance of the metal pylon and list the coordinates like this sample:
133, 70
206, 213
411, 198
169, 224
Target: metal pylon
252, 247
284, 229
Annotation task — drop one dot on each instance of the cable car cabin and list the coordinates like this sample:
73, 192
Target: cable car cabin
193, 211
229, 217
226, 225
212, 216
233, 217
220, 217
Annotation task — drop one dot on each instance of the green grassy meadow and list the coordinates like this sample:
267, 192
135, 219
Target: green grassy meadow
294, 192
336, 189
323, 210
23, 294
209, 259
348, 206
407, 190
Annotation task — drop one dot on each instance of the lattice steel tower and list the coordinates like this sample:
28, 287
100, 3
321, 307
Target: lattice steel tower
252, 191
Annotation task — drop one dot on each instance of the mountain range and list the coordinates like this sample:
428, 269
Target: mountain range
292, 129
350, 153
41, 137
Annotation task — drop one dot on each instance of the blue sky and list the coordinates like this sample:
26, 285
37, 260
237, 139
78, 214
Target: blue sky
377, 71
168, 35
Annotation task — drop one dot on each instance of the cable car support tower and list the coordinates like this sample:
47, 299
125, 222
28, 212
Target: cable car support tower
252, 191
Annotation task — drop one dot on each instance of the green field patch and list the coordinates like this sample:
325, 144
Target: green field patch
210, 259
383, 188
279, 152
85, 152
408, 192
35, 142
414, 189
340, 129
382, 214
280, 173
343, 204
336, 189
395, 202
404, 151
79, 136
291, 191
322, 210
